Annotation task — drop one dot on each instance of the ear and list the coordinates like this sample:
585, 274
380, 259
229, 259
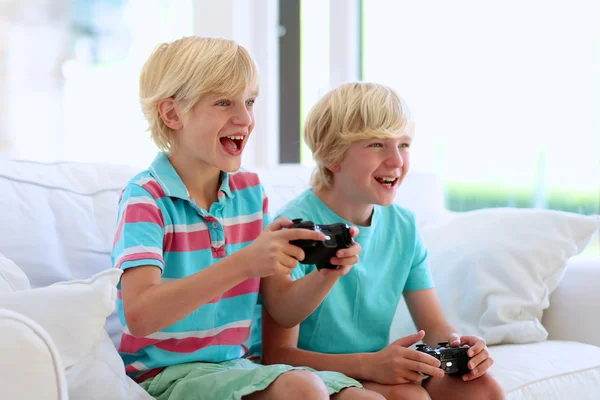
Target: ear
335, 168
169, 114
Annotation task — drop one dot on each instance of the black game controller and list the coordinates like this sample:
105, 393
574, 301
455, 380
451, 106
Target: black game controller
320, 252
453, 360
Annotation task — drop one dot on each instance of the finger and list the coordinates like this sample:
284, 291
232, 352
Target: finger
344, 261
354, 231
421, 357
479, 370
476, 348
470, 340
288, 262
412, 376
349, 252
302, 234
409, 340
282, 270
454, 339
335, 272
425, 368
478, 359
293, 251
278, 224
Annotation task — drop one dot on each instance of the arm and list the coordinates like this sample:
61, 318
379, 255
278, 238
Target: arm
392, 365
280, 346
291, 301
150, 306
426, 311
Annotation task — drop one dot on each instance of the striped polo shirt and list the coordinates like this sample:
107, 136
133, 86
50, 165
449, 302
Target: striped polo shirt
159, 224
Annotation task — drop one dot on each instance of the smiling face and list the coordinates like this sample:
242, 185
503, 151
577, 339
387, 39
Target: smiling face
216, 130
372, 170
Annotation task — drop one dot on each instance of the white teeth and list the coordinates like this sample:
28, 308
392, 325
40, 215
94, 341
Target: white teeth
386, 179
236, 137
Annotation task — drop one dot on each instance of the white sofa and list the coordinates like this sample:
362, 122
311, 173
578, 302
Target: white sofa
57, 225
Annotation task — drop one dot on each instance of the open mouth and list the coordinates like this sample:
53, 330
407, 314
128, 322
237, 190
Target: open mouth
232, 144
387, 182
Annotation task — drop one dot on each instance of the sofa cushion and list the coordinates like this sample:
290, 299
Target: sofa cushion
549, 370
60, 220
573, 310
12, 278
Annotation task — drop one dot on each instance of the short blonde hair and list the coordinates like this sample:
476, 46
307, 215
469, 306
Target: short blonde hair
351, 112
185, 70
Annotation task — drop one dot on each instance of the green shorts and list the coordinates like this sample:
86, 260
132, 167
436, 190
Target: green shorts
229, 380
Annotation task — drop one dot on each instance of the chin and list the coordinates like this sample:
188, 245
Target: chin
230, 167
384, 202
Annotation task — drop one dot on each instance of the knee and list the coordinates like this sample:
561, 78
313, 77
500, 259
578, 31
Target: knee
407, 391
485, 387
302, 384
354, 393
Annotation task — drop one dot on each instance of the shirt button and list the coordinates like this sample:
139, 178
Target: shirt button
214, 225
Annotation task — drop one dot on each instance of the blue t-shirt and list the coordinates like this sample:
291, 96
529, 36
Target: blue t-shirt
356, 315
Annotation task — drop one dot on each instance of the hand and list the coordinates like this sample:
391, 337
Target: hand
480, 360
397, 364
271, 252
344, 259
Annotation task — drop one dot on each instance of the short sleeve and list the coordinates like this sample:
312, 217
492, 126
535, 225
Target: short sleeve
419, 276
140, 230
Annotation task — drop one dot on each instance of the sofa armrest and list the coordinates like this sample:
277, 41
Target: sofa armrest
573, 311
30, 366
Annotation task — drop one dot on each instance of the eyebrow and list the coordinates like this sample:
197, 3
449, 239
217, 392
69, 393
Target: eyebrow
253, 93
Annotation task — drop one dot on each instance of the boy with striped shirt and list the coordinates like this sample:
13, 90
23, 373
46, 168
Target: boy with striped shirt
194, 240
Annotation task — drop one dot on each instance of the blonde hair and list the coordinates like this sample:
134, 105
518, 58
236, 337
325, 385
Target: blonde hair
351, 112
185, 70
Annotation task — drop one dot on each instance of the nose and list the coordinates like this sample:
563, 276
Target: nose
243, 116
395, 159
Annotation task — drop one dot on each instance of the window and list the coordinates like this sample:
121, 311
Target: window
71, 77
505, 94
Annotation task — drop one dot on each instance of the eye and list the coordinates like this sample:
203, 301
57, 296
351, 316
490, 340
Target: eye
250, 102
222, 103
405, 145
376, 145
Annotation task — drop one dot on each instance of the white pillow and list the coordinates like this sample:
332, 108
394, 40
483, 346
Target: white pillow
12, 278
73, 313
100, 375
494, 269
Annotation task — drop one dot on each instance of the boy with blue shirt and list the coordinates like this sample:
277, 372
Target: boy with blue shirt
360, 135
194, 239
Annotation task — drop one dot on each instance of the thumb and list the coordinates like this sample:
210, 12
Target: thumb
409, 340
454, 339
278, 224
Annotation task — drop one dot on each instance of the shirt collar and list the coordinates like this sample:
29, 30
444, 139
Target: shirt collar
162, 170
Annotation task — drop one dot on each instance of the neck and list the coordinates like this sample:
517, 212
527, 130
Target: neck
356, 213
200, 179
